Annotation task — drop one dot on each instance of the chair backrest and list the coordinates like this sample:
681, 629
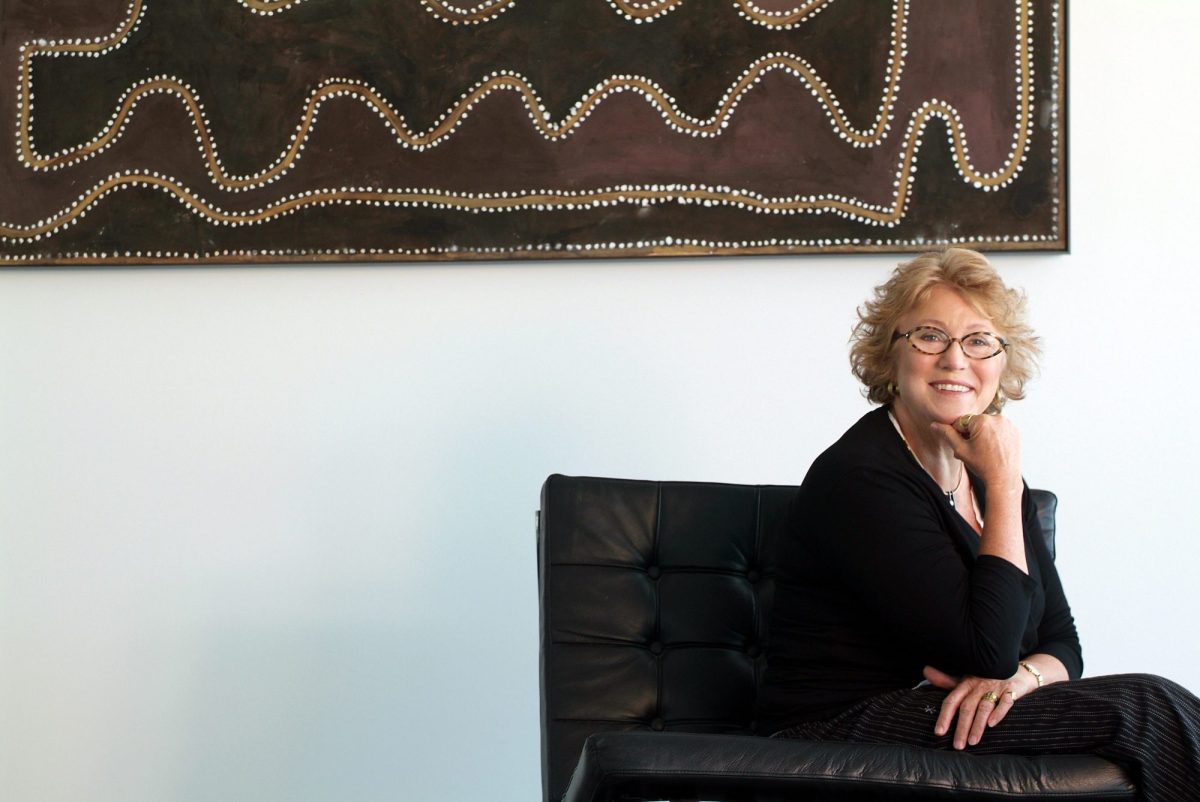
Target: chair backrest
655, 599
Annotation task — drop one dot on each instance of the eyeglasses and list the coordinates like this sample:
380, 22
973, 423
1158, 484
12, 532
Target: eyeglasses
932, 341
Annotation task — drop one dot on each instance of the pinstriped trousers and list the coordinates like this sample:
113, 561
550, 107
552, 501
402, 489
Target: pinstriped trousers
1146, 723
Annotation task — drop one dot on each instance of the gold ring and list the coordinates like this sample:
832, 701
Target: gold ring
963, 424
1011, 695
990, 696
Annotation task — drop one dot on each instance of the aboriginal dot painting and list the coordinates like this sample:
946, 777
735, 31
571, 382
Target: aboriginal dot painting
237, 131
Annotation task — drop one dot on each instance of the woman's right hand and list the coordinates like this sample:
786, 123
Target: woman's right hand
993, 453
990, 448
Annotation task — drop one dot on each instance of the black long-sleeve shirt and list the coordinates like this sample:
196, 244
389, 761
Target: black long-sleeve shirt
878, 576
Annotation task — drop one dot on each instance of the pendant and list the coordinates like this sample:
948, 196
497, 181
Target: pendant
950, 496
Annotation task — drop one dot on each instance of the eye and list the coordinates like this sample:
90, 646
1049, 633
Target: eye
980, 341
932, 336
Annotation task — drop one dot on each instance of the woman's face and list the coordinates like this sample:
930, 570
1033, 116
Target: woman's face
944, 386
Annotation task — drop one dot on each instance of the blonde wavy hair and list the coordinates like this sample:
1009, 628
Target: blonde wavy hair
970, 275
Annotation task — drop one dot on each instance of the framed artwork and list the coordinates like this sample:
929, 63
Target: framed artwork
248, 131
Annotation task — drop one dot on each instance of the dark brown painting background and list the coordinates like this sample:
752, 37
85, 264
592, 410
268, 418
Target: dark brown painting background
495, 185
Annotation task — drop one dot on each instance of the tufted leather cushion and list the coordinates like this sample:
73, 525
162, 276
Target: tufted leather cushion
655, 598
654, 602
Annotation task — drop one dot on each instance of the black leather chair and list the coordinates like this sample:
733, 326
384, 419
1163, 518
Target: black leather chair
655, 597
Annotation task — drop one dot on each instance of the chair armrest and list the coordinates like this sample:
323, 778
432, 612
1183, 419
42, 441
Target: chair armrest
736, 768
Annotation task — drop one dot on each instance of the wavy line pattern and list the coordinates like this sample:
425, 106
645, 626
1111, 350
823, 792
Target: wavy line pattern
541, 199
636, 11
452, 118
876, 214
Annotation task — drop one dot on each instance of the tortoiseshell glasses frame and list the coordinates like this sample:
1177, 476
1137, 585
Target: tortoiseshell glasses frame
933, 341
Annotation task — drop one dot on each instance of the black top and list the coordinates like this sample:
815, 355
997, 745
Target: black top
878, 576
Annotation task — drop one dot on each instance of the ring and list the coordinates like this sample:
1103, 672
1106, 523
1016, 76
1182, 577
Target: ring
990, 696
963, 424
1011, 695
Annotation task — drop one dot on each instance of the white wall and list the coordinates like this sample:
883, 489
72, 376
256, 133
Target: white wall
267, 534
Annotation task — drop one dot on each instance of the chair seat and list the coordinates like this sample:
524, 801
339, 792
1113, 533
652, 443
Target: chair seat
737, 768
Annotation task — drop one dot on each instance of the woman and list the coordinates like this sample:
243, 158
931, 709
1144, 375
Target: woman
916, 601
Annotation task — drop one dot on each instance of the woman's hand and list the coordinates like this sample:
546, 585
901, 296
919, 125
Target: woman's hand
990, 445
966, 700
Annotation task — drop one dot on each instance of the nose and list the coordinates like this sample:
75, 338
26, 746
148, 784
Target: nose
954, 357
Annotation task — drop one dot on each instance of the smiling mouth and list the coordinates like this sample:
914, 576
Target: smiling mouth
952, 388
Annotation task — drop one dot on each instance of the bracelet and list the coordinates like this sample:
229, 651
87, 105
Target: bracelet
1036, 674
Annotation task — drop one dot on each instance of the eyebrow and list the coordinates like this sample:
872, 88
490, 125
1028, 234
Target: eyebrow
974, 327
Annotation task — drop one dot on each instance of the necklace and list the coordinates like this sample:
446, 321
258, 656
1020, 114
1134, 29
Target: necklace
949, 494
957, 485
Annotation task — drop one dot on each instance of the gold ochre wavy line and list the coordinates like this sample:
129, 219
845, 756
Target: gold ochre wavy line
533, 198
663, 102
632, 8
